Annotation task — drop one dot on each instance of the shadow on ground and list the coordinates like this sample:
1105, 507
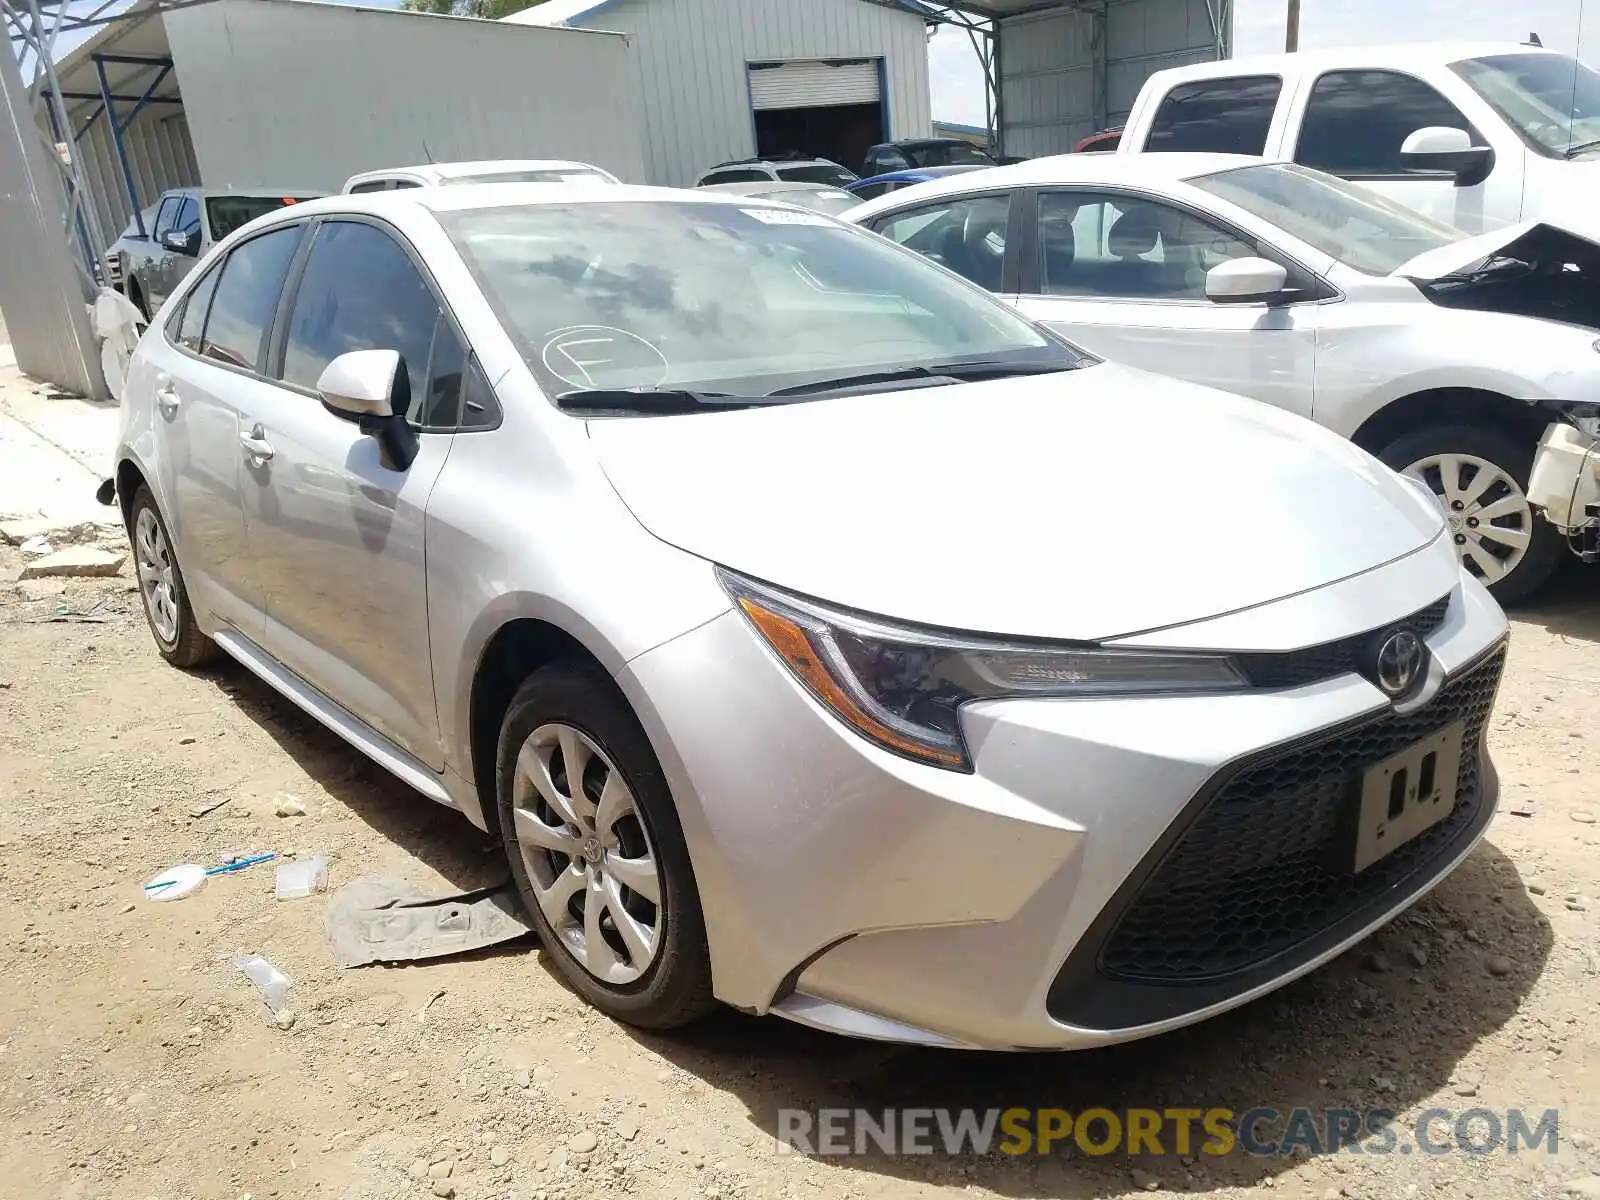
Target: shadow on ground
1384, 1027
1569, 606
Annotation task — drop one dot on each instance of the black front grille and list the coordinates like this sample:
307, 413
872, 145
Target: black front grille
1300, 667
1267, 863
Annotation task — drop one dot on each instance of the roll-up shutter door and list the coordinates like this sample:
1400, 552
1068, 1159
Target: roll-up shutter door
817, 83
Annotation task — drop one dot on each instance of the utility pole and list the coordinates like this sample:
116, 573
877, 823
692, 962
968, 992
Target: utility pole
1291, 35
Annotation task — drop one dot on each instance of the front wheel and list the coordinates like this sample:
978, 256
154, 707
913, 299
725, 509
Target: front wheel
1480, 478
597, 851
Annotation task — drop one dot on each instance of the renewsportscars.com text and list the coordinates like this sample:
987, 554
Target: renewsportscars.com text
1258, 1132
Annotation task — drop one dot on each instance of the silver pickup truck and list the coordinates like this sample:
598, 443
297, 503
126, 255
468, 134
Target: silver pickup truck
188, 222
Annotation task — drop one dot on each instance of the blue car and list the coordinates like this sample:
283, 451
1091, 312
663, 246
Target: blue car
893, 181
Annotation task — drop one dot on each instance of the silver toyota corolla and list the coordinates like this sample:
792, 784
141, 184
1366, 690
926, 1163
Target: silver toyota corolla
817, 634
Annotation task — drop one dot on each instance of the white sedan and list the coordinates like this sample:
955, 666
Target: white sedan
1434, 351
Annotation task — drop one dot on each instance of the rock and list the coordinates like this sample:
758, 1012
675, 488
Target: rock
41, 589
1465, 1087
285, 1019
663, 1076
1583, 817
37, 547
1578, 903
418, 1169
1383, 1083
543, 1074
584, 1142
1332, 1193
27, 529
285, 805
1535, 890
443, 1189
627, 1129
1417, 957
79, 562
522, 1077
1144, 1180
1581, 1141
1499, 967
1374, 962
441, 1169
1588, 1186
499, 1156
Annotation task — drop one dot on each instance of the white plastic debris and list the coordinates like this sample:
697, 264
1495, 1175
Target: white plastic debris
176, 882
116, 324
285, 805
272, 983
302, 877
37, 547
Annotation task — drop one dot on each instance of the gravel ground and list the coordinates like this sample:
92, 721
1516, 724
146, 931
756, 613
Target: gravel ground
136, 1062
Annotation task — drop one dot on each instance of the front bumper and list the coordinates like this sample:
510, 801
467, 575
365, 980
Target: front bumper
1022, 906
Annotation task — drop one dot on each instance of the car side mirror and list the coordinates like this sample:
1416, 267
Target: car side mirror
1246, 281
373, 388
1438, 148
180, 242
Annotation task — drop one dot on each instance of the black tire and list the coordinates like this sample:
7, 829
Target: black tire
1512, 455
136, 294
189, 648
676, 988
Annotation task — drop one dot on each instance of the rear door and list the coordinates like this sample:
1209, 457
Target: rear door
337, 535
209, 370
1123, 274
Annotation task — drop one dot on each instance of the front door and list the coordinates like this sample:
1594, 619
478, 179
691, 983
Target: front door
1124, 277
336, 534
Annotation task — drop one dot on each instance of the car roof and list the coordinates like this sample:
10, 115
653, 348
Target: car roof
920, 174
1065, 169
1395, 54
772, 187
770, 162
205, 193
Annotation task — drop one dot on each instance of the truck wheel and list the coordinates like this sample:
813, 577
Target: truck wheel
136, 294
1480, 477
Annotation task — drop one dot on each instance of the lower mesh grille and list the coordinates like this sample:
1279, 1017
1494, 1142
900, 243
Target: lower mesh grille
1266, 865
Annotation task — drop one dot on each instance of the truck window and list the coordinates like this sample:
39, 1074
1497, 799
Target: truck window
1216, 116
371, 185
166, 215
1356, 121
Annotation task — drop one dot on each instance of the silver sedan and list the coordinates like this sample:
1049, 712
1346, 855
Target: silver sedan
803, 620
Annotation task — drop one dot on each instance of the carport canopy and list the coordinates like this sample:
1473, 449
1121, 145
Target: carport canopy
1057, 70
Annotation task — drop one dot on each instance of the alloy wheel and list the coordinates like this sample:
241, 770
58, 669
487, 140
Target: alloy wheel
594, 872
1486, 510
157, 578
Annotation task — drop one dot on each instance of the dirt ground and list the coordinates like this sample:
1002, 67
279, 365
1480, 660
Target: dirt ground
136, 1062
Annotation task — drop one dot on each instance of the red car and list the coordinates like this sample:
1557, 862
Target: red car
1106, 139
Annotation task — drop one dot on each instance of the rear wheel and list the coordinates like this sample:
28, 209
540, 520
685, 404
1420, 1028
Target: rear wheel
597, 851
1480, 478
136, 295
166, 600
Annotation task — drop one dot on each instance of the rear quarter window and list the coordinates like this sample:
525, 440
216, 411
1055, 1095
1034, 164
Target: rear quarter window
1216, 116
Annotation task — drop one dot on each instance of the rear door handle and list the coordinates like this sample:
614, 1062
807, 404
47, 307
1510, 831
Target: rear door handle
166, 397
256, 447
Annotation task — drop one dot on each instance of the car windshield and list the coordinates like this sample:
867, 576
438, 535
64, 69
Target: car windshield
743, 299
817, 173
227, 213
548, 175
1551, 100
822, 199
949, 154
1351, 223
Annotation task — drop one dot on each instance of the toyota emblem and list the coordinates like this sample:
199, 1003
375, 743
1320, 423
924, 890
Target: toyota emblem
1399, 662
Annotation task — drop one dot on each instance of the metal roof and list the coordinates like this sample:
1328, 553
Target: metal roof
566, 12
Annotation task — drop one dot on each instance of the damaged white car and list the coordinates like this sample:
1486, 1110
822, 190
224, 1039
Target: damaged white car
1439, 353
1565, 484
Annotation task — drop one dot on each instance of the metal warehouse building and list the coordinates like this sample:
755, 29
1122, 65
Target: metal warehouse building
726, 79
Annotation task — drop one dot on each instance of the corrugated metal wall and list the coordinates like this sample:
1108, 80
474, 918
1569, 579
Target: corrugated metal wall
692, 77
42, 299
287, 94
160, 155
1066, 74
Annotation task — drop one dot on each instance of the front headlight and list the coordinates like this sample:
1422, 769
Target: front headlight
901, 688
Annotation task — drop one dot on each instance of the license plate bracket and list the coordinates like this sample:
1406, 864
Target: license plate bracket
1407, 794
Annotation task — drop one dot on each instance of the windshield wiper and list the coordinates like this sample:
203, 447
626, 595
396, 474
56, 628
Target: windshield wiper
1581, 147
956, 372
652, 401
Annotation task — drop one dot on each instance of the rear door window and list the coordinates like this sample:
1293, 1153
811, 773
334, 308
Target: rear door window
191, 322
1216, 116
247, 296
967, 234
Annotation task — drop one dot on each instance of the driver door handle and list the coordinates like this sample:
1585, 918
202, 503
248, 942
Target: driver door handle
256, 447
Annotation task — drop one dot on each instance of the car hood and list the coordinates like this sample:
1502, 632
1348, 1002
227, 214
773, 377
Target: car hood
1082, 505
1436, 264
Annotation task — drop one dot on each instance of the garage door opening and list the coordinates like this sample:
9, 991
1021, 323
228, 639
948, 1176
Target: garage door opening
819, 108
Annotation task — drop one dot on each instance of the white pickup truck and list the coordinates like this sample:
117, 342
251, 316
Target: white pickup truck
1477, 135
